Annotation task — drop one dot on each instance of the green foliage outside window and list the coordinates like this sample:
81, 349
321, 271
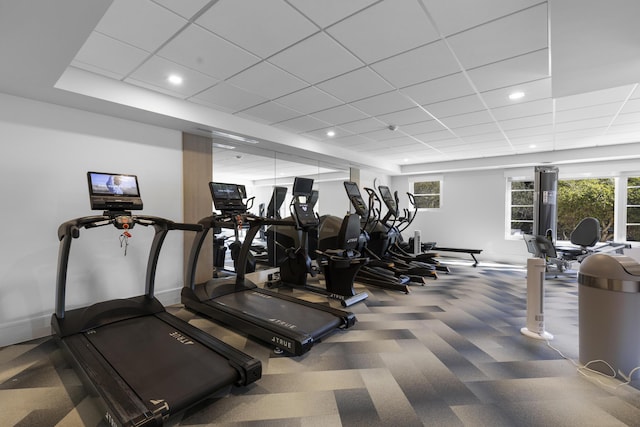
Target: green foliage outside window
581, 198
427, 194
633, 209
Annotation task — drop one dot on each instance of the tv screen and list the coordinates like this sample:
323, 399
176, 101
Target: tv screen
302, 186
113, 191
222, 191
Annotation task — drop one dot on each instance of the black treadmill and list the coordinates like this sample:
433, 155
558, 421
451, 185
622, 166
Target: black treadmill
284, 322
142, 363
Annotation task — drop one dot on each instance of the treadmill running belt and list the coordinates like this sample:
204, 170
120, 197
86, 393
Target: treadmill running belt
281, 312
160, 363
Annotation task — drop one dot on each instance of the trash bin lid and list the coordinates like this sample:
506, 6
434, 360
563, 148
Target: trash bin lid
611, 272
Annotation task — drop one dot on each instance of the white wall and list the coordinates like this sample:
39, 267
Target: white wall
472, 215
46, 153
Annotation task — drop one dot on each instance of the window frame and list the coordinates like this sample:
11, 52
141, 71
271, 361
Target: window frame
438, 179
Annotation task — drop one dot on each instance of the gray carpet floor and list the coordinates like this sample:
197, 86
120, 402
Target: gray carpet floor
447, 354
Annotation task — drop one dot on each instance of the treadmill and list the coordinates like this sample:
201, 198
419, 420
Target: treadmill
286, 323
142, 363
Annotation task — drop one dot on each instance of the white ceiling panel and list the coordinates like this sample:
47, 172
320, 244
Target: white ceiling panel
201, 50
140, 23
108, 56
513, 71
186, 9
303, 124
309, 100
327, 12
384, 103
539, 89
450, 20
271, 112
453, 86
358, 84
418, 65
229, 97
156, 71
305, 66
339, 115
316, 58
514, 35
456, 106
384, 29
262, 27
268, 81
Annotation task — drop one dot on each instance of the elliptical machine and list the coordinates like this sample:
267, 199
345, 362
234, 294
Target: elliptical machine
337, 256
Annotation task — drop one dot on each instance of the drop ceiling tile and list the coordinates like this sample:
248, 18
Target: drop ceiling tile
268, 81
627, 118
616, 94
262, 27
303, 124
141, 23
527, 122
186, 9
539, 89
631, 106
309, 100
155, 73
461, 120
384, 103
321, 134
351, 141
481, 129
494, 137
383, 134
504, 38
270, 112
384, 29
339, 115
229, 97
437, 138
327, 12
449, 20
513, 71
546, 129
607, 111
418, 65
358, 84
108, 56
423, 127
316, 58
597, 124
453, 86
365, 125
452, 107
525, 109
405, 117
201, 50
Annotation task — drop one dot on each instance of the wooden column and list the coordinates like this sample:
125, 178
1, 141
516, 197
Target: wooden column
197, 172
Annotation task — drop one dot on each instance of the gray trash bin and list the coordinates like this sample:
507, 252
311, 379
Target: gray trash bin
609, 313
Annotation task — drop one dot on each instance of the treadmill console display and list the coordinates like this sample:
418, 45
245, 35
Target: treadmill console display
227, 197
109, 191
302, 187
277, 199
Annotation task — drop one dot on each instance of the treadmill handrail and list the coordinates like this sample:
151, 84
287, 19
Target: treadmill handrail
70, 230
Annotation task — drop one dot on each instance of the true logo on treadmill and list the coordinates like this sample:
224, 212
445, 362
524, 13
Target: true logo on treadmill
181, 338
282, 343
283, 323
110, 420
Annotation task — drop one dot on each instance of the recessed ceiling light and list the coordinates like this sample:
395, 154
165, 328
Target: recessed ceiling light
175, 79
532, 146
516, 95
331, 133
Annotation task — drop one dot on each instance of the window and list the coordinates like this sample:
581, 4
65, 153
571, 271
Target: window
582, 198
427, 194
521, 207
633, 209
